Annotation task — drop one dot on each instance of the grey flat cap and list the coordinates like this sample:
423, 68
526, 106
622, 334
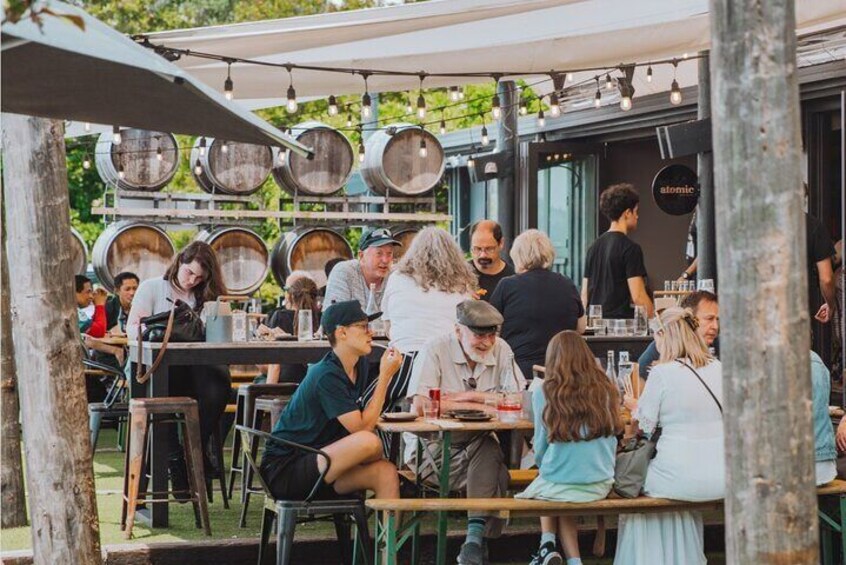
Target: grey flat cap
479, 316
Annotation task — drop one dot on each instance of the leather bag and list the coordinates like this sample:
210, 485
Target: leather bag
180, 324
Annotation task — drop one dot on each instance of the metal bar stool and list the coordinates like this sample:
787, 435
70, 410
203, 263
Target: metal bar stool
244, 407
144, 412
266, 410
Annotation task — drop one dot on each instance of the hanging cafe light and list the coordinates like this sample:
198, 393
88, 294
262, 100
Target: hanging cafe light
485, 139
228, 86
366, 101
421, 102
116, 137
597, 99
554, 105
292, 94
423, 152
496, 110
333, 105
675, 91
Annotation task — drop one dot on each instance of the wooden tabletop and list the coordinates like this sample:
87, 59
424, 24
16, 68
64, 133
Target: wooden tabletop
422, 425
120, 340
246, 345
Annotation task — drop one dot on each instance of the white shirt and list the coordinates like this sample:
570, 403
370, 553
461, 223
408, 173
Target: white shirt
417, 315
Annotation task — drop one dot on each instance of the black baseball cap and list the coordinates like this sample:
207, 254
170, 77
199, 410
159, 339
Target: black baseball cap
376, 238
344, 314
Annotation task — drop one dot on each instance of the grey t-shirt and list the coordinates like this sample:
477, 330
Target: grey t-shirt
346, 282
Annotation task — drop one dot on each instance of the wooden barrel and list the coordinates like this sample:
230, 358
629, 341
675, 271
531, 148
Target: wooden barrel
238, 170
140, 248
242, 255
405, 235
307, 249
79, 253
327, 172
138, 154
392, 161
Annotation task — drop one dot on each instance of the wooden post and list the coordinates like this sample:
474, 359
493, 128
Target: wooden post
59, 470
771, 501
706, 245
12, 494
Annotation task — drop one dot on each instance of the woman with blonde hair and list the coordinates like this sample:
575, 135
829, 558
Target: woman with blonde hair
420, 298
577, 418
536, 303
683, 397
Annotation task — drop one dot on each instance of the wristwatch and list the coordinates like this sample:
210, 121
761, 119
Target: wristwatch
685, 275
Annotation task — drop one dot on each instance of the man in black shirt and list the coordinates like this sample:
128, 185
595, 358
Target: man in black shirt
486, 245
820, 270
615, 276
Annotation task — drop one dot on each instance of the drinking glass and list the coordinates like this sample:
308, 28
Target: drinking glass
640, 321
304, 329
431, 409
601, 328
668, 285
706, 284
674, 285
254, 306
510, 407
594, 315
618, 328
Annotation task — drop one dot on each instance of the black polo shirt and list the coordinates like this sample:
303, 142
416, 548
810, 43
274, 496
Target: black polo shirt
311, 418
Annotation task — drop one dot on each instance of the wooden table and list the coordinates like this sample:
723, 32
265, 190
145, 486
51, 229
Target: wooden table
177, 354
119, 340
423, 426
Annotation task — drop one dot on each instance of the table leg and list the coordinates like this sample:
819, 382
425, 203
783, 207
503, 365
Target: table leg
158, 387
842, 532
446, 443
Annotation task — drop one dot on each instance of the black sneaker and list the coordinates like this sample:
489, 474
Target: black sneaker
178, 473
547, 555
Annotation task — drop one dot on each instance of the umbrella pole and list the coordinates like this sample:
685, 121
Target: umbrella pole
59, 471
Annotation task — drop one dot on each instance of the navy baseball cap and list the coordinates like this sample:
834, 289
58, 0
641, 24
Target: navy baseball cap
376, 238
344, 314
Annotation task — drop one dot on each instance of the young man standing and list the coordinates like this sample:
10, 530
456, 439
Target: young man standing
326, 413
615, 276
486, 245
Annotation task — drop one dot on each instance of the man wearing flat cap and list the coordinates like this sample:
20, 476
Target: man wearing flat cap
471, 366
327, 413
351, 280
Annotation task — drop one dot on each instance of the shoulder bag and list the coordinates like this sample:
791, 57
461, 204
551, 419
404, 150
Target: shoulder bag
634, 456
180, 324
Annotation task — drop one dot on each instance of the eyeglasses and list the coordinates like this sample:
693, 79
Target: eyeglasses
360, 325
471, 382
483, 250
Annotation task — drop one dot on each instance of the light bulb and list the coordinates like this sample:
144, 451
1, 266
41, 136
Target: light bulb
228, 90
333, 106
485, 139
423, 151
541, 118
361, 152
649, 73
443, 127
224, 147
409, 109
292, 100
349, 120
554, 105
626, 103
203, 146
198, 168
675, 94
421, 107
282, 154
116, 135
569, 77
86, 163
87, 127
496, 111
121, 173
453, 94
159, 155
461, 94
366, 105
471, 162
597, 100
523, 108
609, 84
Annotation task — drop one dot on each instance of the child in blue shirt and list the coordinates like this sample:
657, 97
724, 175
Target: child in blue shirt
577, 418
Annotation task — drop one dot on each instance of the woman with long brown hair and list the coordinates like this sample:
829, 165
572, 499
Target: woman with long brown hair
194, 277
301, 294
577, 418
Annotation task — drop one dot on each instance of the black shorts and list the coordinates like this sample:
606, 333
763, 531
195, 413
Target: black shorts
294, 477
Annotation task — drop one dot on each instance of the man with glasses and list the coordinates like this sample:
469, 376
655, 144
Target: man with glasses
327, 413
471, 366
486, 245
351, 280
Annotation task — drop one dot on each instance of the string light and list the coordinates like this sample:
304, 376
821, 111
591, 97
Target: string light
116, 137
625, 103
121, 172
443, 126
86, 162
675, 91
159, 155
423, 151
228, 87
292, 94
485, 139
87, 127
409, 109
224, 147
554, 105
421, 102
649, 73
524, 108
541, 118
460, 93
198, 168
333, 105
496, 111
366, 102
349, 120
470, 161
597, 99
454, 96
202, 146
570, 77
283, 153
361, 152
609, 84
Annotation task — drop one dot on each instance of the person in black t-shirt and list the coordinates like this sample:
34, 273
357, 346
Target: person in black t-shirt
486, 245
820, 269
615, 276
536, 303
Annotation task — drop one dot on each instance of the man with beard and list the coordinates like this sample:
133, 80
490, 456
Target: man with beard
486, 245
471, 366
351, 280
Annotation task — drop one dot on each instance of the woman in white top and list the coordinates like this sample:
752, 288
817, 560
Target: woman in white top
420, 299
194, 277
683, 397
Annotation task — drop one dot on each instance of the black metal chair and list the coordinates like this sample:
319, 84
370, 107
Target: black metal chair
114, 406
290, 512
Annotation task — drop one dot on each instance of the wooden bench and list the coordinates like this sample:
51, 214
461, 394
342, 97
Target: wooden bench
518, 479
390, 535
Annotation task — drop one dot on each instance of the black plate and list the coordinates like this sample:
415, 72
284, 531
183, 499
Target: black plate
473, 417
463, 412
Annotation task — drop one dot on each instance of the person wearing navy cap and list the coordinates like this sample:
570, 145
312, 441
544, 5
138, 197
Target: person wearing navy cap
327, 413
351, 280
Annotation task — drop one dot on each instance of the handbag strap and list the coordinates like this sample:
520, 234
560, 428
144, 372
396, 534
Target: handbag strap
720, 406
142, 377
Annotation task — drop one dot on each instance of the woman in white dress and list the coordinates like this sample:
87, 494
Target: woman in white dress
683, 397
